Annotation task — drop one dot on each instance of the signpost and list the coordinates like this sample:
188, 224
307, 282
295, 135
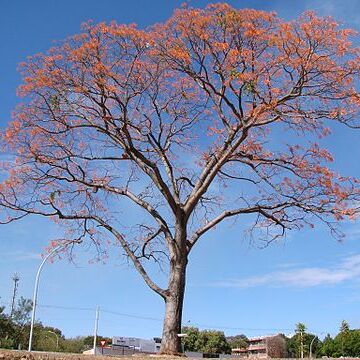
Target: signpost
102, 343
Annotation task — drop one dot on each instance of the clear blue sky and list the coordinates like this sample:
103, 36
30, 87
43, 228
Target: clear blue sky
232, 286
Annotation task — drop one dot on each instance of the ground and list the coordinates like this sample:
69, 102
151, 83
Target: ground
24, 355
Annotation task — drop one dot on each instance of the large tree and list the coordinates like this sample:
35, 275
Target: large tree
176, 120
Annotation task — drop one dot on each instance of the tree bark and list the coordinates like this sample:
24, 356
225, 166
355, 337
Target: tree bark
171, 342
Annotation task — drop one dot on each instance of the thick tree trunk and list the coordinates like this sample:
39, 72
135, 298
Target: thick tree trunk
171, 342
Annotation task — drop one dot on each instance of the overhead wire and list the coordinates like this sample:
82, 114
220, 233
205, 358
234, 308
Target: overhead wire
150, 318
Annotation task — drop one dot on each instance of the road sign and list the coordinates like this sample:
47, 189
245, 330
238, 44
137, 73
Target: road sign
103, 343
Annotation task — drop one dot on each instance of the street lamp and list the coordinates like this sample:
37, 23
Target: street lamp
312, 341
182, 336
57, 338
36, 288
311, 344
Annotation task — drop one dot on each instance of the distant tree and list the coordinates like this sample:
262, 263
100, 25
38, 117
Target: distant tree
342, 337
47, 338
21, 319
89, 341
176, 121
344, 328
206, 341
298, 346
191, 341
213, 342
347, 343
300, 331
327, 347
73, 345
292, 346
22, 312
276, 346
238, 341
7, 330
352, 344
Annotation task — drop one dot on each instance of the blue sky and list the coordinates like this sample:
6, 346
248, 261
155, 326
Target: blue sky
232, 285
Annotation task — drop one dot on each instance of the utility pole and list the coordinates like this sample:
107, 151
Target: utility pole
96, 327
15, 279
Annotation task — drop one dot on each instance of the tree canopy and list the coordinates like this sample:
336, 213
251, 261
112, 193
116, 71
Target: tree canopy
205, 341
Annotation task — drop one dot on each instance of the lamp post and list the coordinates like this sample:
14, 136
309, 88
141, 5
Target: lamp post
57, 338
311, 344
182, 345
36, 288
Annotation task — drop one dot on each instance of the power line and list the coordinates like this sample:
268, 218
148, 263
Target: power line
239, 328
136, 316
132, 315
144, 317
65, 307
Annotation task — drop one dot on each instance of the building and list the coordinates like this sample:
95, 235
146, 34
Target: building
136, 344
271, 346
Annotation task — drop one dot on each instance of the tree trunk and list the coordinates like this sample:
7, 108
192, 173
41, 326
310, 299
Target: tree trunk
171, 342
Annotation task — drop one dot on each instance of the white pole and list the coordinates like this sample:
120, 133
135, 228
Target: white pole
96, 327
36, 288
311, 344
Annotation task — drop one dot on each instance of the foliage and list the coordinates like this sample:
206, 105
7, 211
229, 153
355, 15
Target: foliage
74, 345
117, 116
277, 346
300, 342
191, 341
345, 344
6, 330
237, 341
294, 345
327, 347
206, 341
15, 330
344, 328
21, 321
214, 342
22, 312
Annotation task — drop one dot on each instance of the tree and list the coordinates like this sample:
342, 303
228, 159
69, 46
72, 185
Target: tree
73, 345
327, 347
344, 333
21, 319
300, 331
276, 346
213, 342
191, 341
238, 341
116, 117
344, 328
21, 313
6, 330
347, 341
352, 346
298, 346
206, 341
